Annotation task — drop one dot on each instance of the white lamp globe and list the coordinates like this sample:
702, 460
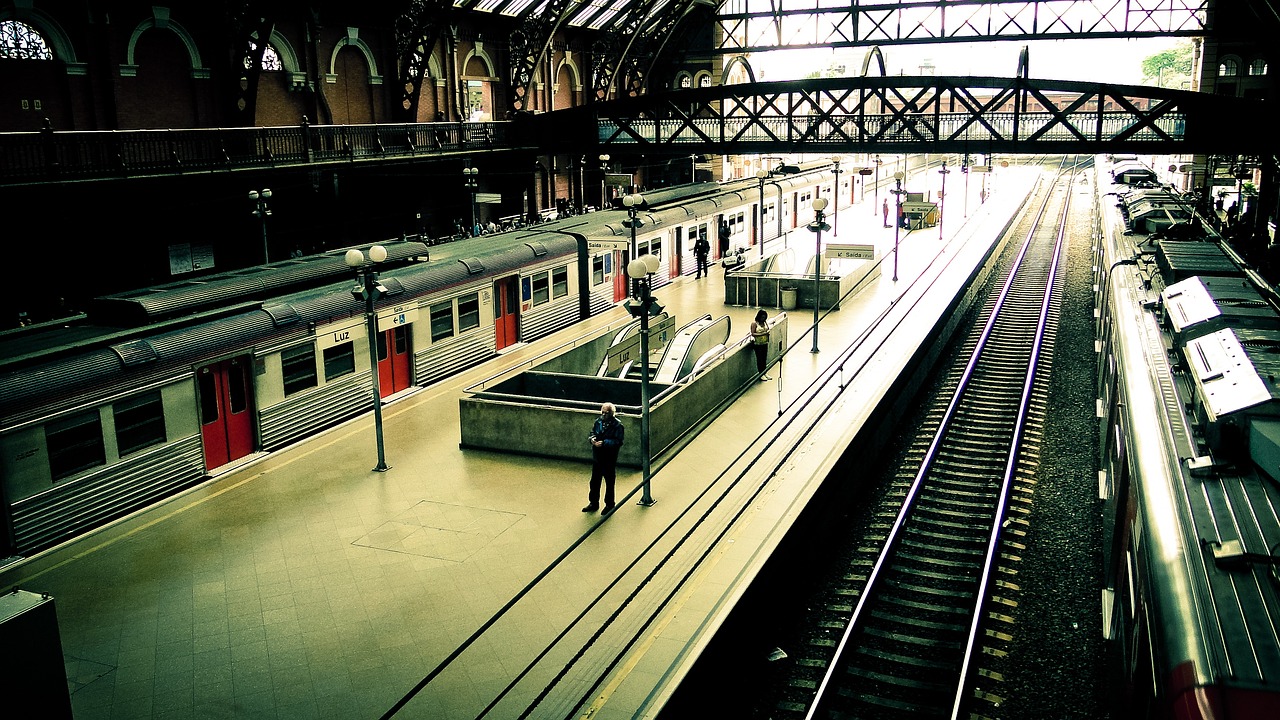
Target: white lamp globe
651, 263
377, 253
354, 258
637, 268
819, 204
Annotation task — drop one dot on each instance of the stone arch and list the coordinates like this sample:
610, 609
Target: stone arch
352, 39
288, 58
879, 56
681, 78
160, 20
702, 78
479, 53
59, 43
567, 63
737, 64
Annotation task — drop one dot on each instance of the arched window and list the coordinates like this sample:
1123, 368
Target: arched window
1228, 68
704, 81
1258, 67
20, 41
270, 58
686, 81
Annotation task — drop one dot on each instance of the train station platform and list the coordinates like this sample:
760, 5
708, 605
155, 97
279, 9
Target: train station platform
468, 583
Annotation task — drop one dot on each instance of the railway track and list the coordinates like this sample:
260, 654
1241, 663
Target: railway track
920, 601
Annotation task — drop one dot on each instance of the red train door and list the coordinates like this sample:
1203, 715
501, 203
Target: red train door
506, 309
225, 394
393, 368
620, 277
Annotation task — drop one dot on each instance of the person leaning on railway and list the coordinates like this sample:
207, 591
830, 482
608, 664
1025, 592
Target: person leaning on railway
606, 439
760, 341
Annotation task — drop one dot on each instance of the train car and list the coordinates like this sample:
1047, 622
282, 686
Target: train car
1189, 470
159, 389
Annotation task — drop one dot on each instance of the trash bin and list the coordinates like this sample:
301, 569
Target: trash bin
789, 298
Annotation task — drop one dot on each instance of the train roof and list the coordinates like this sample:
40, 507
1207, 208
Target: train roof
201, 293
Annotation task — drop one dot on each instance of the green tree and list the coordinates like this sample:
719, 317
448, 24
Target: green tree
1169, 68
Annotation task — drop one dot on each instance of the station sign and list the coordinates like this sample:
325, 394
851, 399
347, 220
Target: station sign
490, 198
629, 349
618, 179
598, 246
836, 251
866, 171
979, 168
399, 315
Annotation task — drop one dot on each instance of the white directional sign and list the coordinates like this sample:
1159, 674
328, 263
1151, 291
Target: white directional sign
850, 252
603, 245
488, 197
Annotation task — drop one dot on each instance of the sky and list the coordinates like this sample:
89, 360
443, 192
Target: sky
1112, 61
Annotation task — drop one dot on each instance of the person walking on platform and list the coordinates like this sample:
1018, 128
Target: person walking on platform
606, 440
760, 341
886, 212
700, 249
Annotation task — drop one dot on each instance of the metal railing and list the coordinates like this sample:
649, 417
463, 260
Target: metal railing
59, 156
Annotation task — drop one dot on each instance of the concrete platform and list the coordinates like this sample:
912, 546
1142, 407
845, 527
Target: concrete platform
467, 583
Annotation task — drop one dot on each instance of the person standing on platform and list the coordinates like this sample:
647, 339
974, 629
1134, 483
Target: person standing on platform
700, 249
886, 212
760, 341
724, 238
606, 440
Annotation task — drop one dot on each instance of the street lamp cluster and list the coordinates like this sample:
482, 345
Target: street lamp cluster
471, 180
816, 227
604, 177
261, 210
369, 289
897, 219
835, 197
942, 197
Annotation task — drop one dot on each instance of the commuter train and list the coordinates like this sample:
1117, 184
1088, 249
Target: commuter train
1188, 341
156, 390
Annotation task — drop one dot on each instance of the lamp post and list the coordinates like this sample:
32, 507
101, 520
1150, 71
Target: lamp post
261, 210
964, 170
942, 197
641, 270
817, 226
604, 175
875, 198
368, 289
470, 178
835, 196
897, 220
632, 203
761, 175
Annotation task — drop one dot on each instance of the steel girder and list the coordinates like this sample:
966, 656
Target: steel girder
914, 114
858, 23
417, 30
629, 48
252, 24
529, 42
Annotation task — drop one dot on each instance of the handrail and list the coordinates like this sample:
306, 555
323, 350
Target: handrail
84, 155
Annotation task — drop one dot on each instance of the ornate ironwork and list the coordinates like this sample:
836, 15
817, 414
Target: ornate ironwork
417, 31
858, 23
529, 43
251, 26
917, 114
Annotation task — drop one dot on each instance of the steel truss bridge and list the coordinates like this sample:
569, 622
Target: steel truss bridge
909, 114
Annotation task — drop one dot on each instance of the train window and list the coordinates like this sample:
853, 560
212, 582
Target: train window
238, 385
298, 365
74, 444
597, 269
442, 320
208, 397
139, 422
339, 360
468, 312
560, 282
541, 288
655, 248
